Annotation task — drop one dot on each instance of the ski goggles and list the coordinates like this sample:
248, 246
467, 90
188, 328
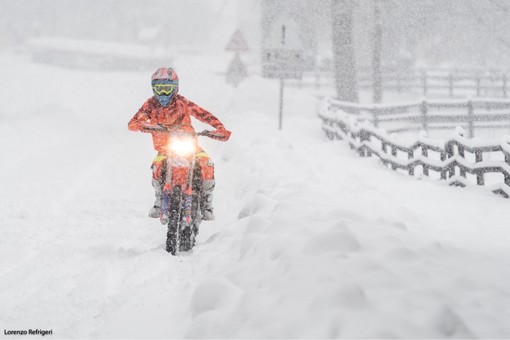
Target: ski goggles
164, 89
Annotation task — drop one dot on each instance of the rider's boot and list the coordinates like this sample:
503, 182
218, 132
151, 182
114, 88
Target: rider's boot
155, 211
206, 200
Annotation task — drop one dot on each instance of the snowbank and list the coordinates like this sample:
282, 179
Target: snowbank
310, 241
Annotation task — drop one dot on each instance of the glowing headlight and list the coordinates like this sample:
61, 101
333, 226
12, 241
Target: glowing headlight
182, 147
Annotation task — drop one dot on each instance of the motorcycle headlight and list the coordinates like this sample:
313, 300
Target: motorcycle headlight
182, 146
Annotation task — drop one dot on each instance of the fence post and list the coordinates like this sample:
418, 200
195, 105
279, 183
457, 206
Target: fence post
394, 154
363, 136
507, 160
410, 155
478, 81
399, 82
425, 153
507, 180
443, 171
376, 117
479, 175
504, 85
471, 127
450, 154
450, 84
424, 82
462, 170
423, 110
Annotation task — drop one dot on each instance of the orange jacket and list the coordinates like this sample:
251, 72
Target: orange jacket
177, 114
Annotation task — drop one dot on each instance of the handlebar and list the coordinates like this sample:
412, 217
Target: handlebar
164, 128
153, 128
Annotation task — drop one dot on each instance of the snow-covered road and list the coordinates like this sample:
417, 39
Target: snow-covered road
310, 241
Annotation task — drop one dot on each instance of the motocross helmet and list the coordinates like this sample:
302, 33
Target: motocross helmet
165, 85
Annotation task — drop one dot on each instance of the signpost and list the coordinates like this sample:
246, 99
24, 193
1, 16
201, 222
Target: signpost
283, 61
237, 71
237, 43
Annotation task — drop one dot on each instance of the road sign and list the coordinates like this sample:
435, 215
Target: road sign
236, 71
283, 56
237, 43
283, 59
282, 63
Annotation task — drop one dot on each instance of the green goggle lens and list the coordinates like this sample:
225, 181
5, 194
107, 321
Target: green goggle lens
164, 89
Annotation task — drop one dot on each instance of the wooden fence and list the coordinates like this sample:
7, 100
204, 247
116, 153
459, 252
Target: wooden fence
434, 115
442, 82
428, 82
452, 161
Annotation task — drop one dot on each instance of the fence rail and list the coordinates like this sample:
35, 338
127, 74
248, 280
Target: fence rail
428, 82
451, 162
451, 83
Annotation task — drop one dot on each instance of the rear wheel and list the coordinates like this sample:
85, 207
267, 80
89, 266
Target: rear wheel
197, 192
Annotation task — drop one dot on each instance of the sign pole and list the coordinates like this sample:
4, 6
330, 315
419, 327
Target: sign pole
282, 61
281, 86
281, 105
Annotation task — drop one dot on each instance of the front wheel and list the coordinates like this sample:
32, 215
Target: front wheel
190, 231
175, 218
179, 230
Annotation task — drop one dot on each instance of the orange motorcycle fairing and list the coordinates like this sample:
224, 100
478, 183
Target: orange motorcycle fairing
180, 176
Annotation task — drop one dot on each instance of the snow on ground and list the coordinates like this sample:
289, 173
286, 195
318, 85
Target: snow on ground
310, 241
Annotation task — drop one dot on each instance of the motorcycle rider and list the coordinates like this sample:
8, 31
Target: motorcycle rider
169, 108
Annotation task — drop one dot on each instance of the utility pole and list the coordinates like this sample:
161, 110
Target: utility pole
377, 89
343, 50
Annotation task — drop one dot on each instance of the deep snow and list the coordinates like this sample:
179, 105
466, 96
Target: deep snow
310, 241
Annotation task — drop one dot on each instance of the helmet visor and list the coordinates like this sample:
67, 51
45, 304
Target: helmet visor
164, 89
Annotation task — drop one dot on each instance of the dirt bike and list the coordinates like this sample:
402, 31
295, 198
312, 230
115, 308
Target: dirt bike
182, 185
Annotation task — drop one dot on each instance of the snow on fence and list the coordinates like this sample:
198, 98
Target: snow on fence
458, 160
472, 114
